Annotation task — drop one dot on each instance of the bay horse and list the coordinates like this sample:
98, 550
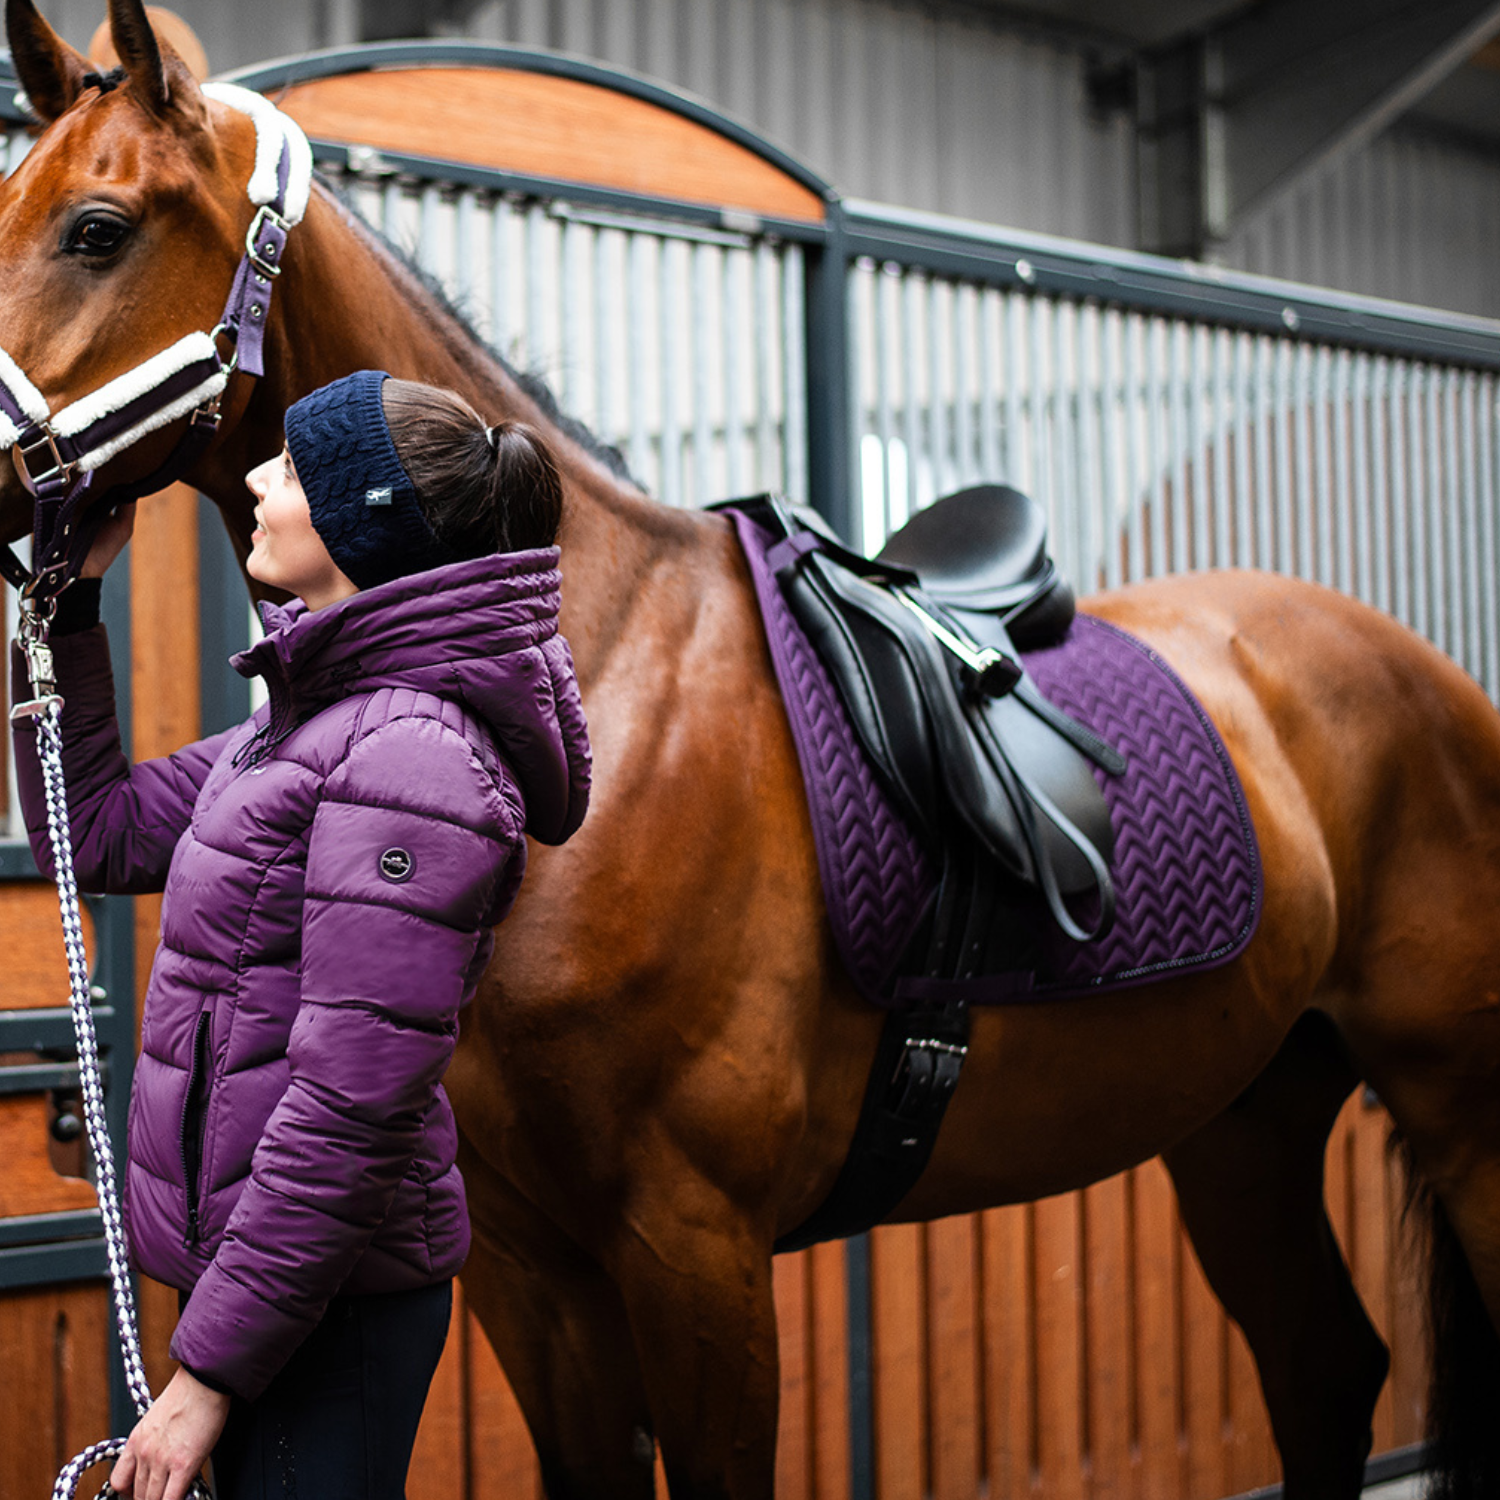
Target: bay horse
663, 1066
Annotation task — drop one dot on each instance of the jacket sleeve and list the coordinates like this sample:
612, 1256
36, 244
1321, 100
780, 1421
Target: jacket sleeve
410, 855
125, 820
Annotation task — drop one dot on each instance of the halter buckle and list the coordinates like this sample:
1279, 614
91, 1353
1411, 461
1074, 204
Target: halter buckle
47, 440
267, 268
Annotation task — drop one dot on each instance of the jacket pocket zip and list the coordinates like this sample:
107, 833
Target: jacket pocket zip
192, 1126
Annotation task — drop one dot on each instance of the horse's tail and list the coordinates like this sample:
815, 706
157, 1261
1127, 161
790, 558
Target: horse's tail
1463, 1406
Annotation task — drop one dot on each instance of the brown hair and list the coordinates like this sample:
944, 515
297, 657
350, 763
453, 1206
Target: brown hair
482, 489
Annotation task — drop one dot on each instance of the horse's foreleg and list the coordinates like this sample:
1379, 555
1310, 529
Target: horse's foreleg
697, 1281
1250, 1188
558, 1325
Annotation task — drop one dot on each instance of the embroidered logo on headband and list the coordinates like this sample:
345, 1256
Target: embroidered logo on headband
381, 496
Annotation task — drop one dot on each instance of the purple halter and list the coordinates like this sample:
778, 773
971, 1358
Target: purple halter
60, 451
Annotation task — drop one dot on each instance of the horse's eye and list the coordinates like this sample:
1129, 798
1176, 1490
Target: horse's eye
96, 235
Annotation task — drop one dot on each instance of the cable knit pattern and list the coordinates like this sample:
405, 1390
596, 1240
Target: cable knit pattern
1187, 867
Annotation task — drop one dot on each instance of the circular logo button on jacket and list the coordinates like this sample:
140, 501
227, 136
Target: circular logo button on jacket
396, 864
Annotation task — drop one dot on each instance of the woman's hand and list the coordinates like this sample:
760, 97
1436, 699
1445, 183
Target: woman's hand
172, 1441
110, 542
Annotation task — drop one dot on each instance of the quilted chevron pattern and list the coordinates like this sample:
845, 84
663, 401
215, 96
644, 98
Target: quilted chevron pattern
876, 879
1187, 868
1186, 861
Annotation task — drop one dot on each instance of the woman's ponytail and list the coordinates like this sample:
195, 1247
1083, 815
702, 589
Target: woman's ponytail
483, 489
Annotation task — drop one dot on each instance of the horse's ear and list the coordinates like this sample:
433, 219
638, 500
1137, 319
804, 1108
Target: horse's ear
50, 71
180, 62
135, 45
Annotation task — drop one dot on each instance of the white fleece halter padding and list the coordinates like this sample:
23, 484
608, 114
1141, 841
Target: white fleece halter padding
141, 381
30, 400
272, 127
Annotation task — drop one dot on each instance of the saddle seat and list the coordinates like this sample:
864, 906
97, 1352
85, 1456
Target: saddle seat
984, 549
921, 643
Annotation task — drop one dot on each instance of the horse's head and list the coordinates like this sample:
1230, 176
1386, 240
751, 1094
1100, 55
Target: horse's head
120, 231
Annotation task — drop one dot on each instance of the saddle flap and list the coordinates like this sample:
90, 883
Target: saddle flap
917, 721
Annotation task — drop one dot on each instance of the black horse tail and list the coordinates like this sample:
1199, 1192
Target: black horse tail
1463, 1405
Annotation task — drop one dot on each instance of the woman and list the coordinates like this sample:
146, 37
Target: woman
331, 872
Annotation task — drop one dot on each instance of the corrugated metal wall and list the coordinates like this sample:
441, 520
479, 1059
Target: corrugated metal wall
1413, 216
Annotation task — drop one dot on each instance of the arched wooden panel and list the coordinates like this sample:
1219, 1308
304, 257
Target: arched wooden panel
549, 126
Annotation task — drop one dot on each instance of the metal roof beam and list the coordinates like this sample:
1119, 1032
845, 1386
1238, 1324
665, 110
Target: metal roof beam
1230, 119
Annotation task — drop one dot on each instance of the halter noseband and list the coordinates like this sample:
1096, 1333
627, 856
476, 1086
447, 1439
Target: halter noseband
60, 451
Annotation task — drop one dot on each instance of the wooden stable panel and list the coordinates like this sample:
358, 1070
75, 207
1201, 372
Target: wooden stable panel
543, 126
54, 1395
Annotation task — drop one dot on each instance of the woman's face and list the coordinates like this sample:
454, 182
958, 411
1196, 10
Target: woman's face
286, 550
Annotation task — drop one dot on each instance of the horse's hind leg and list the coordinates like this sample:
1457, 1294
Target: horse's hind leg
1250, 1188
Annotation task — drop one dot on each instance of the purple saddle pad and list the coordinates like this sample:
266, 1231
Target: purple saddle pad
1186, 866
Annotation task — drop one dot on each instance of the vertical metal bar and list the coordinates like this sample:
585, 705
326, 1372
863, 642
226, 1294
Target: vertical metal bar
938, 433
1064, 508
1157, 442
635, 385
1427, 489
1199, 388
734, 326
464, 287
535, 272
1088, 326
1450, 575
1321, 464
964, 309
830, 465
1401, 548
1285, 417
570, 307
1115, 488
1137, 431
768, 469
500, 272
1466, 460
1489, 531
1341, 565
1179, 520
1016, 473
1436, 499
1306, 498
1044, 387
1220, 435
990, 467
701, 334
1383, 592
861, 1368
606, 344
1362, 518
669, 280
1265, 479
1242, 421
795, 458
903, 505
882, 293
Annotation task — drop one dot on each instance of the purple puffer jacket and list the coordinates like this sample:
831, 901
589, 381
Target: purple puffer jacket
331, 871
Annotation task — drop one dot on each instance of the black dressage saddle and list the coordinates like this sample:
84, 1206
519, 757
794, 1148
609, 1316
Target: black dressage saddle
922, 643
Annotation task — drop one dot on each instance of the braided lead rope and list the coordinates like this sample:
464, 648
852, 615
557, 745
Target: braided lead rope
49, 732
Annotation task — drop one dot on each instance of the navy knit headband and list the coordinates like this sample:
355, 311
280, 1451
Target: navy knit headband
362, 502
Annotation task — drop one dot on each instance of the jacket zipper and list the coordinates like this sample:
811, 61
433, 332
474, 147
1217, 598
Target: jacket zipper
192, 1127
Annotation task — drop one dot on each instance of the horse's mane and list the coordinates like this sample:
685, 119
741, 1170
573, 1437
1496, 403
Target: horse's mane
531, 382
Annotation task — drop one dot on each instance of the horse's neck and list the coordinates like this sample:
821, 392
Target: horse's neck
345, 304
